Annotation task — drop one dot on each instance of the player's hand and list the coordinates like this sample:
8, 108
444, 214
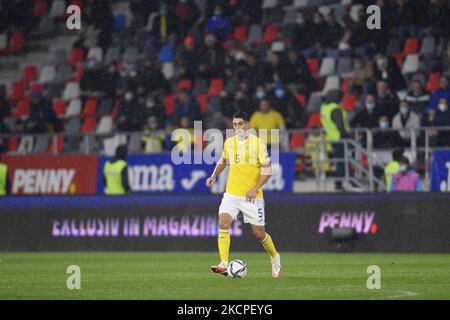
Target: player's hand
251, 196
210, 181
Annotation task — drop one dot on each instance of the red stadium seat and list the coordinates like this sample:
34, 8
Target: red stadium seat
16, 43
346, 83
184, 85
411, 46
76, 56
270, 34
29, 73
40, 8
169, 104
301, 99
13, 143
22, 109
59, 106
89, 125
90, 108
59, 144
399, 59
215, 87
314, 121
313, 65
202, 101
297, 141
349, 102
78, 73
433, 81
18, 91
240, 33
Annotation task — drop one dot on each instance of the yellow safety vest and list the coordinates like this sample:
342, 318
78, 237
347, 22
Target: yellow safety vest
390, 169
3, 177
331, 131
113, 176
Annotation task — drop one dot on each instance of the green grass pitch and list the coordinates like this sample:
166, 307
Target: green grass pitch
184, 275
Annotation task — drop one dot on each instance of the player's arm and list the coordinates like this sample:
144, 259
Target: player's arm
221, 165
266, 173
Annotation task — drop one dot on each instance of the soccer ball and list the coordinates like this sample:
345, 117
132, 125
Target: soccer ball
237, 269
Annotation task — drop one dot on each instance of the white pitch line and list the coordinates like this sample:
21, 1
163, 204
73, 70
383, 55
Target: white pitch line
402, 294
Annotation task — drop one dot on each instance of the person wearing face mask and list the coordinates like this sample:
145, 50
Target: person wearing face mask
131, 113
388, 70
442, 92
406, 180
302, 37
405, 120
368, 115
267, 119
284, 102
442, 119
153, 108
383, 137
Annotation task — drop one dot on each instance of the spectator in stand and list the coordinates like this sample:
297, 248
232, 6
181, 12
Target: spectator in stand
186, 106
388, 70
362, 75
417, 98
393, 166
385, 138
442, 92
211, 57
284, 102
386, 100
302, 37
153, 138
407, 179
404, 121
267, 119
153, 108
153, 79
369, 115
187, 13
218, 24
333, 31
299, 74
42, 118
165, 22
442, 119
187, 59
131, 115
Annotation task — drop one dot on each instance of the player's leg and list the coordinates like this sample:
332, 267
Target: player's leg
228, 211
223, 242
267, 242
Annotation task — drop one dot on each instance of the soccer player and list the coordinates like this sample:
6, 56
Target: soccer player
250, 169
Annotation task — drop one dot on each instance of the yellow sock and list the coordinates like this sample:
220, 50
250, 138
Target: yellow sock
224, 245
269, 246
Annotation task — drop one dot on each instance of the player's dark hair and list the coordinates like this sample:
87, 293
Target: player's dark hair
241, 114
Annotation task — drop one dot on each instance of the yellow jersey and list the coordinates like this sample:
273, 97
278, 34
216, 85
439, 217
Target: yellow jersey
267, 121
245, 159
